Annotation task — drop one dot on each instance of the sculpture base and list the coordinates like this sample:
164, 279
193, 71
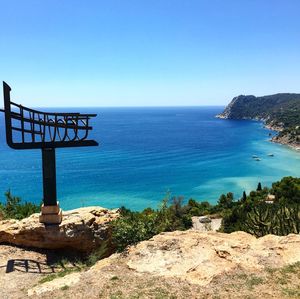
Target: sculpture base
51, 214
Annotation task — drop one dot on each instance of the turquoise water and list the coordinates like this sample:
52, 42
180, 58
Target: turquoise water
146, 152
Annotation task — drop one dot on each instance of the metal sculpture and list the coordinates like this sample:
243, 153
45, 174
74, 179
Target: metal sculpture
32, 129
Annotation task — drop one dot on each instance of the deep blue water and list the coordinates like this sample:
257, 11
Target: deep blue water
146, 152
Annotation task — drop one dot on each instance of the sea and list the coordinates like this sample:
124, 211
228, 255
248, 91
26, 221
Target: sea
146, 154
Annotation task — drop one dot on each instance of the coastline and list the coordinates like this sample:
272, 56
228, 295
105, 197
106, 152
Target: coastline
283, 140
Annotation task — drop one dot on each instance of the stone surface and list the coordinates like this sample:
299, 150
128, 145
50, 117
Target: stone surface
51, 218
81, 229
181, 265
214, 225
50, 209
200, 256
58, 283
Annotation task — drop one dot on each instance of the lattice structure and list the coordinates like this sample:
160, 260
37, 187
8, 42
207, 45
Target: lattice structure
28, 128
32, 129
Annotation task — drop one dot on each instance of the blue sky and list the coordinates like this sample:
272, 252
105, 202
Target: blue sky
148, 53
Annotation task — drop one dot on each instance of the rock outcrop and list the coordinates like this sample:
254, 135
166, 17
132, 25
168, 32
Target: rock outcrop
82, 229
280, 112
198, 257
189, 264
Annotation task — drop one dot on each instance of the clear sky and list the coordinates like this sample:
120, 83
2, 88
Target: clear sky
148, 52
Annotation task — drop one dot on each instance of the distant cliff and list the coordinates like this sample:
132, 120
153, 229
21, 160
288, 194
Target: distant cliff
280, 112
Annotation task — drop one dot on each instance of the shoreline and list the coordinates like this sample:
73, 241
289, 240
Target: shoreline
275, 139
281, 140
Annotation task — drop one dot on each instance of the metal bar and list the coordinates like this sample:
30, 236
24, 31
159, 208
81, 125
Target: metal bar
40, 126
47, 123
55, 128
56, 144
55, 113
37, 111
7, 108
86, 132
26, 131
22, 123
32, 126
44, 130
49, 177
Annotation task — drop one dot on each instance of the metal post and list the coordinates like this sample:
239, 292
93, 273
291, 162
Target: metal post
49, 177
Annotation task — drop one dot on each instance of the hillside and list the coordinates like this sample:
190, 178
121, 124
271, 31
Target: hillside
280, 112
188, 264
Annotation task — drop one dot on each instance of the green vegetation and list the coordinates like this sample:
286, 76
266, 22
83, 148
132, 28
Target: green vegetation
252, 213
115, 278
64, 267
253, 281
98, 254
13, 208
256, 216
286, 278
133, 227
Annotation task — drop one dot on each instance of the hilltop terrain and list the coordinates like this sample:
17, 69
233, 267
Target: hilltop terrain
189, 264
280, 112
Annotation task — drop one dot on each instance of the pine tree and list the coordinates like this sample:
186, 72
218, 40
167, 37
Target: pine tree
259, 188
244, 198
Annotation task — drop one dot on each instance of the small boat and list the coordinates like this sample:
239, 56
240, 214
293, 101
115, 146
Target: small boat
271, 155
257, 159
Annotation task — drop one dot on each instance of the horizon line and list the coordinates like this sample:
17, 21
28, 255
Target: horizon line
165, 106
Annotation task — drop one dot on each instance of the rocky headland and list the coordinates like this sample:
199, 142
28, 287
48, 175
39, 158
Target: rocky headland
279, 112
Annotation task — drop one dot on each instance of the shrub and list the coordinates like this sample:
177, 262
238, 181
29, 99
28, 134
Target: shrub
132, 227
14, 208
253, 215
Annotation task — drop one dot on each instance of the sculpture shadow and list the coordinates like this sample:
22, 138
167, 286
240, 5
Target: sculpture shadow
55, 261
29, 266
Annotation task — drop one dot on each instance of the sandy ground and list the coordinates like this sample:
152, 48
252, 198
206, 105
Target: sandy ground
21, 268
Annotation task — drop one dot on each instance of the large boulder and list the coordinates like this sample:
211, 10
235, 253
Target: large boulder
81, 229
198, 257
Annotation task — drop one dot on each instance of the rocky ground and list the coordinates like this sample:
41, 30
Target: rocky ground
214, 225
188, 264
81, 229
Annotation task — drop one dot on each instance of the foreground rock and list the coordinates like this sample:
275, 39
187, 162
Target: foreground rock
82, 229
199, 257
188, 264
